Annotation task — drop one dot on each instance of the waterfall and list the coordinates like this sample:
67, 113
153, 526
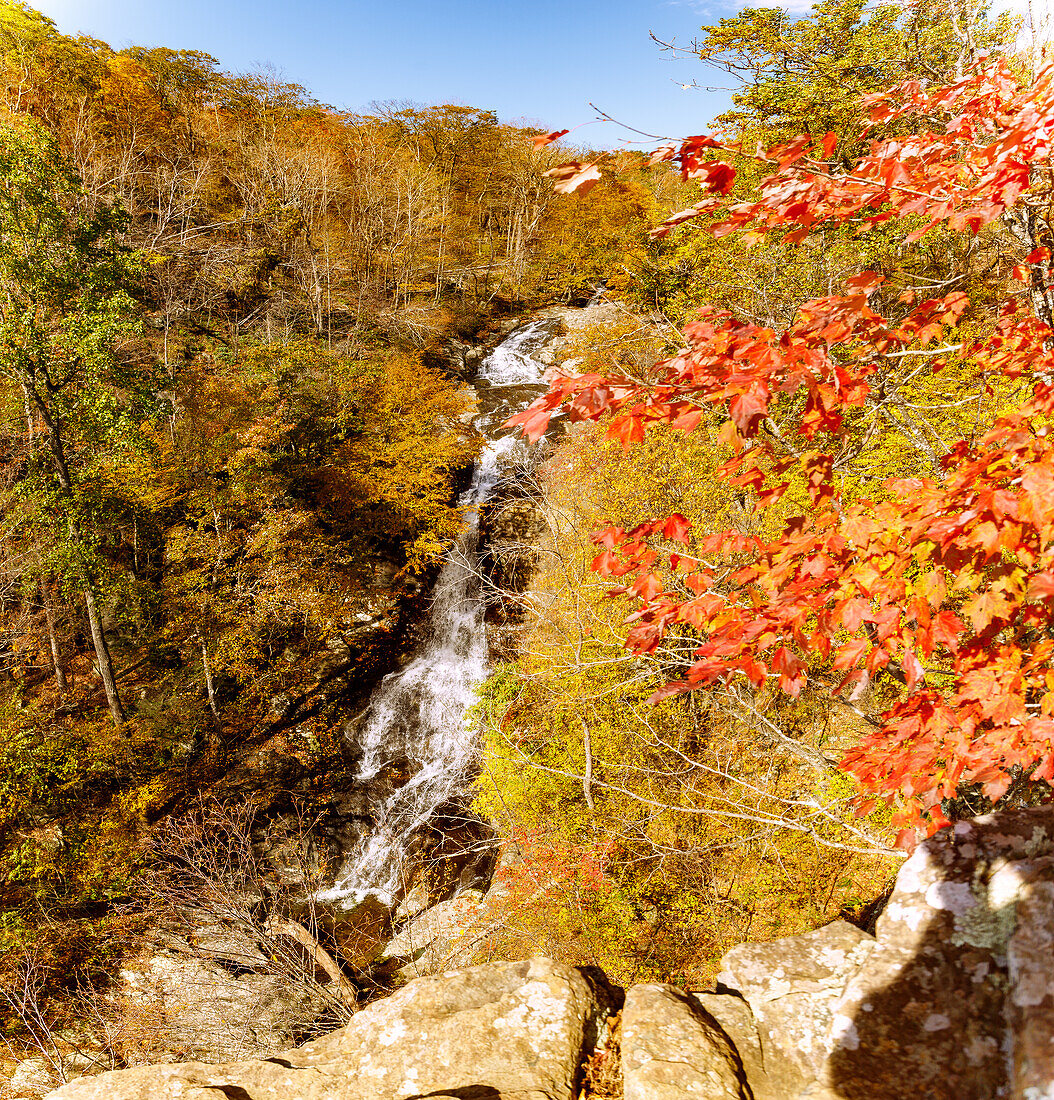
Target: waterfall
416, 718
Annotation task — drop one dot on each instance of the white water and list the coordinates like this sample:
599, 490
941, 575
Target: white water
417, 714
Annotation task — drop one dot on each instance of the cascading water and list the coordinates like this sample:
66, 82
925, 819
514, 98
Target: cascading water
416, 718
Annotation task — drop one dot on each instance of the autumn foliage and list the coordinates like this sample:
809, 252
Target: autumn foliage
944, 582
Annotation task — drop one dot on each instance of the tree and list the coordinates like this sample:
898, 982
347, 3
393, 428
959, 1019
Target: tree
809, 73
64, 313
943, 580
713, 817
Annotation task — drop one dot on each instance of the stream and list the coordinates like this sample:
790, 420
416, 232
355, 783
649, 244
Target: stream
416, 722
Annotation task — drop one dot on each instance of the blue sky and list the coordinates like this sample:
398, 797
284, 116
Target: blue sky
541, 60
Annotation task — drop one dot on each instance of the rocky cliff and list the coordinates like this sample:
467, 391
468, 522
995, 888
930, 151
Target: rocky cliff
952, 999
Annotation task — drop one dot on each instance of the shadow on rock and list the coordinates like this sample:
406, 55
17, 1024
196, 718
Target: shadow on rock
952, 1000
956, 1001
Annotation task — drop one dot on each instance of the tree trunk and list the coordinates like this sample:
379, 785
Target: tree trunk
587, 777
56, 652
1027, 228
208, 681
102, 659
346, 992
102, 651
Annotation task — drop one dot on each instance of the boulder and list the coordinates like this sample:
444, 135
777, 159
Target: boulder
960, 976
32, 1077
672, 1048
414, 902
228, 943
443, 937
178, 1006
448, 934
732, 1014
1030, 1006
792, 986
952, 1000
512, 1031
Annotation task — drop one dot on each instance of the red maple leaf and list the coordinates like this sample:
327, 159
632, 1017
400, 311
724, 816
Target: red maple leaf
976, 538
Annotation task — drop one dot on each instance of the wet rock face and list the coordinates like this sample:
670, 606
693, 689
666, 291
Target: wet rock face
514, 528
516, 1031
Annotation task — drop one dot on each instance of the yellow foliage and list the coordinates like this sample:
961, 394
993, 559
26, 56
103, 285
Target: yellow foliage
715, 818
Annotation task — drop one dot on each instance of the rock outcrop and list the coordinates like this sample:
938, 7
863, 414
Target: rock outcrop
175, 1005
515, 1031
440, 938
792, 986
952, 999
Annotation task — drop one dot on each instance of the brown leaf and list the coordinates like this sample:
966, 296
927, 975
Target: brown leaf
664, 152
574, 176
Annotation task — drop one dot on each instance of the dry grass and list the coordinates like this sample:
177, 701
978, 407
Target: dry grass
602, 1074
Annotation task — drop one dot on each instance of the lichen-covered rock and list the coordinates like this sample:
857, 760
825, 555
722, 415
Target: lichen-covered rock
1030, 1006
953, 1000
792, 986
732, 1014
443, 937
514, 1031
671, 1048
934, 997
174, 1005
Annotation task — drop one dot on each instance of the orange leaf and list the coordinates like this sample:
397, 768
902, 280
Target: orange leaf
542, 140
648, 586
849, 654
677, 528
532, 422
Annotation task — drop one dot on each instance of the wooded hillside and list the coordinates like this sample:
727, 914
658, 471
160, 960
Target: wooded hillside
234, 424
